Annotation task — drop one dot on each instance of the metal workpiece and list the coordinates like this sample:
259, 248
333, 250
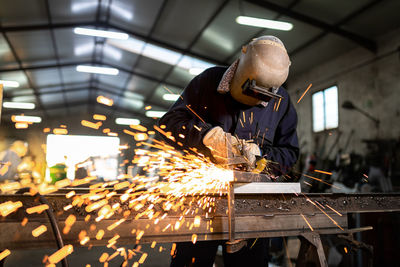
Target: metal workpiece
264, 215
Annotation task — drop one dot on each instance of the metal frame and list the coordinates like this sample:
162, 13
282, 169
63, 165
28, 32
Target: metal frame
56, 54
18, 60
149, 34
99, 23
190, 46
340, 23
290, 6
360, 40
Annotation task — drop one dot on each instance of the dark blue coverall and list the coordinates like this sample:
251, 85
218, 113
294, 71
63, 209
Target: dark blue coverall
272, 128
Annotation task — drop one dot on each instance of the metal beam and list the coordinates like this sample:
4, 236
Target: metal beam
109, 25
155, 23
290, 6
48, 66
262, 215
56, 54
18, 60
192, 43
340, 23
360, 40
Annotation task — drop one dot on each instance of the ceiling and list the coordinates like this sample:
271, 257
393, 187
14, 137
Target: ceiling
39, 49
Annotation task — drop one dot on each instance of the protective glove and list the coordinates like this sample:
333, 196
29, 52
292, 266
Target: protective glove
250, 151
218, 141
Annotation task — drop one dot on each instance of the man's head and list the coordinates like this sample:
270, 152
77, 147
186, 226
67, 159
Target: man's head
20, 148
264, 60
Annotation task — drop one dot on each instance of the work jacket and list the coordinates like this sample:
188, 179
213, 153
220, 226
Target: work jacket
201, 107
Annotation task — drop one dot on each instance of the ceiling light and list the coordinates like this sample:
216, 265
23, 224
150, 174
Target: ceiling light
12, 84
127, 121
21, 125
264, 23
170, 97
98, 70
19, 105
155, 114
195, 71
22, 118
100, 33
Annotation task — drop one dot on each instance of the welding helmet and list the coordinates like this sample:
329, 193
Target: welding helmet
262, 68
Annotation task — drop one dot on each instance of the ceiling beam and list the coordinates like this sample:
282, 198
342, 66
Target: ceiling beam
258, 34
56, 54
107, 25
360, 40
190, 46
129, 112
18, 60
73, 64
153, 27
341, 22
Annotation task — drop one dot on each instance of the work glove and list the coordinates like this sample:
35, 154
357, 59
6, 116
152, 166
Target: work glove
218, 141
250, 151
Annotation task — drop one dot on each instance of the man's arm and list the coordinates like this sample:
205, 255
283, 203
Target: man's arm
186, 118
285, 148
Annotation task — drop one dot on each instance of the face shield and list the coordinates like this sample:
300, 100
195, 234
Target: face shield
262, 68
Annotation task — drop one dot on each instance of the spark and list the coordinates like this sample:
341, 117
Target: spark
324, 172
100, 234
46, 130
138, 128
4, 253
105, 101
37, 209
9, 207
173, 248
319, 180
309, 86
60, 131
103, 257
279, 103
194, 238
61, 254
99, 117
195, 113
147, 108
309, 225
338, 213
143, 258
24, 221
39, 230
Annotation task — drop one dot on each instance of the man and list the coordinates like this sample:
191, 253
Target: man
10, 159
226, 107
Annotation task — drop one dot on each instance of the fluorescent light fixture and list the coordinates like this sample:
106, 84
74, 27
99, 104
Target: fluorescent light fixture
101, 33
155, 114
161, 54
264, 23
170, 97
195, 71
127, 121
22, 118
19, 105
12, 84
97, 70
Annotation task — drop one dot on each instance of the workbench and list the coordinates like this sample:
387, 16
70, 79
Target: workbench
256, 215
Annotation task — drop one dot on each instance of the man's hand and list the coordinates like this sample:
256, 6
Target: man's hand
218, 141
250, 151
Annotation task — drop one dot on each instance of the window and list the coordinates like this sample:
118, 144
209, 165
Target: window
325, 109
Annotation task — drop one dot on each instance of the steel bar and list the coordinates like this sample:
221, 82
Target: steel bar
264, 215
